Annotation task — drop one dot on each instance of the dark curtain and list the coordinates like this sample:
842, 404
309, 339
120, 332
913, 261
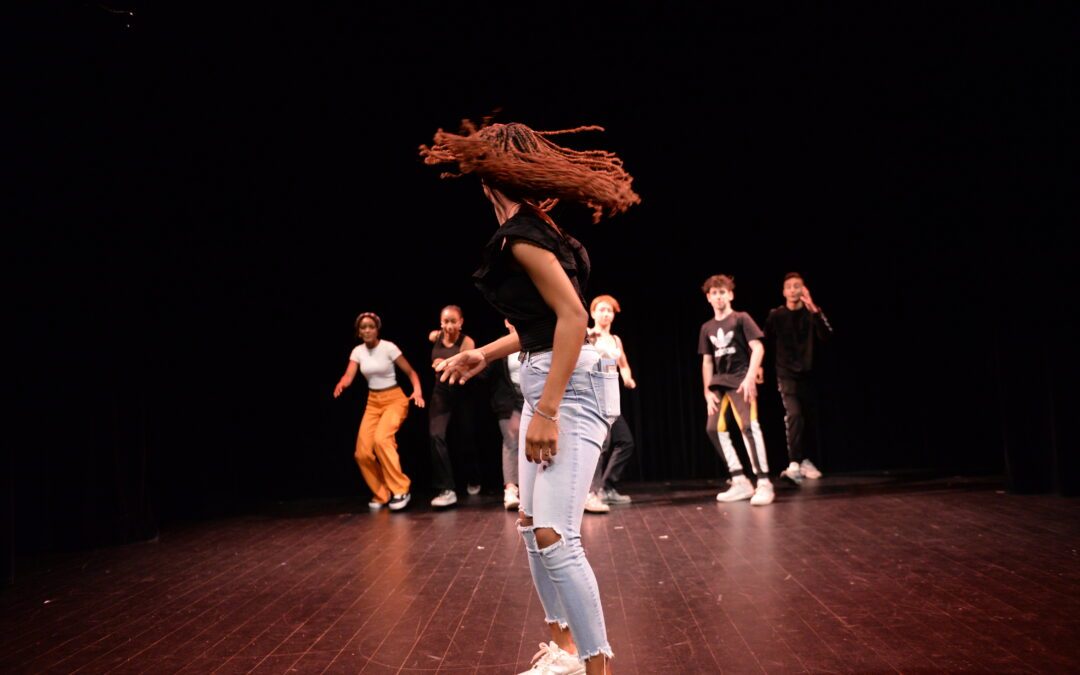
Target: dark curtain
196, 223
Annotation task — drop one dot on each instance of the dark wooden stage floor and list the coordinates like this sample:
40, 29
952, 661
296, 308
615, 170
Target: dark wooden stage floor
851, 575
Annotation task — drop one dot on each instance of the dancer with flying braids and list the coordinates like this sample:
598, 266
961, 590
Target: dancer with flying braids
535, 275
385, 410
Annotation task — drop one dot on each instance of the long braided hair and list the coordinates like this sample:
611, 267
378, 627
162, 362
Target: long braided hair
524, 165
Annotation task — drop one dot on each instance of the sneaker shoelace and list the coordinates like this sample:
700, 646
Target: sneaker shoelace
548, 654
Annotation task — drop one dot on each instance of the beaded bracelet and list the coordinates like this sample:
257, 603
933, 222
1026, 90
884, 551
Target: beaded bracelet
554, 418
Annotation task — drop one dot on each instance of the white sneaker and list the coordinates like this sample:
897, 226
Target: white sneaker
511, 497
594, 503
793, 473
445, 498
473, 489
740, 489
551, 660
764, 494
375, 504
809, 470
398, 502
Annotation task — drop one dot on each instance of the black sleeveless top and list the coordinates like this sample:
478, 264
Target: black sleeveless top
440, 351
508, 287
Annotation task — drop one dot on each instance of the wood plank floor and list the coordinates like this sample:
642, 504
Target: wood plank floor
857, 574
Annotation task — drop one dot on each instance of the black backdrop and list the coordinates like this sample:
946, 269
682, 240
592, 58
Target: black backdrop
203, 200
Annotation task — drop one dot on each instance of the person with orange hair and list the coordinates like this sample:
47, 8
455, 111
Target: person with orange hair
534, 274
619, 446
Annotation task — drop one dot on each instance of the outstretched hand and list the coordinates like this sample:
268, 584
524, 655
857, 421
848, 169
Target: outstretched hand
461, 367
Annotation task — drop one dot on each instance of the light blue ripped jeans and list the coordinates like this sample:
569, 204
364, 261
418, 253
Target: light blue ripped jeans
553, 494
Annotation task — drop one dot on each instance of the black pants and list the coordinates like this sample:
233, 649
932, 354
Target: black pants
716, 428
618, 448
446, 403
800, 403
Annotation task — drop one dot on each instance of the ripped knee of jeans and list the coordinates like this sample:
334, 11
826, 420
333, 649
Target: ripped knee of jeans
528, 533
548, 538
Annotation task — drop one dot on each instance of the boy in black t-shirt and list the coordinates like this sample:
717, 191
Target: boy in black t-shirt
731, 354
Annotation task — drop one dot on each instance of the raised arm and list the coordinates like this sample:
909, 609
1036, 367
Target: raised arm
822, 328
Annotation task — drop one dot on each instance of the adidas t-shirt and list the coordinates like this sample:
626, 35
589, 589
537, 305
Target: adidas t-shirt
728, 341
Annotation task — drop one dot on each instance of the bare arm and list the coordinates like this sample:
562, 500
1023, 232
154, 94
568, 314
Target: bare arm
624, 366
417, 395
464, 365
571, 320
468, 343
748, 388
346, 379
706, 372
712, 400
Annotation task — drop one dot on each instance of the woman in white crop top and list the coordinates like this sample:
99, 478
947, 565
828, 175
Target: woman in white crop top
619, 445
386, 408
